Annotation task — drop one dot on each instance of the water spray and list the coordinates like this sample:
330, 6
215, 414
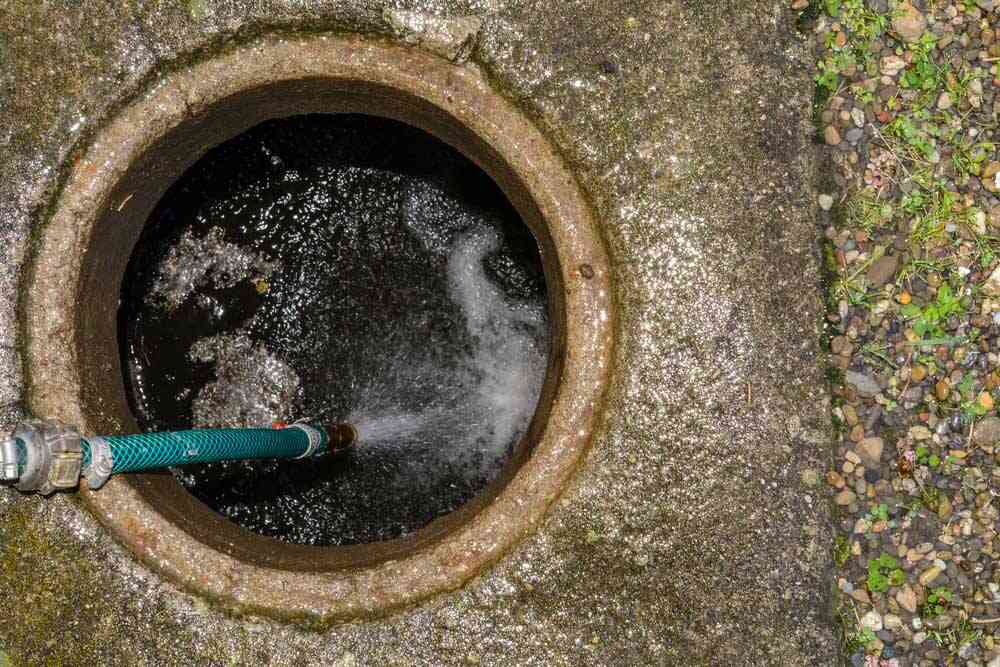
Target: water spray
46, 456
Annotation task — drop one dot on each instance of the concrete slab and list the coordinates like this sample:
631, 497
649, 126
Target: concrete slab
688, 536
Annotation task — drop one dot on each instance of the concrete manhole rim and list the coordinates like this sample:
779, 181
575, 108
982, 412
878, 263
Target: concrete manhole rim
462, 94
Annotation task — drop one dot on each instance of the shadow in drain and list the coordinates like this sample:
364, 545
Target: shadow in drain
351, 267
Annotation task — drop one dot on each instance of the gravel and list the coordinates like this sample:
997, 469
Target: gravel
907, 108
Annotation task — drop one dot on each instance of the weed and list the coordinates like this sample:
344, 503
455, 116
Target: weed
954, 638
866, 211
930, 497
925, 458
854, 636
970, 407
928, 320
841, 550
878, 351
916, 143
937, 602
883, 572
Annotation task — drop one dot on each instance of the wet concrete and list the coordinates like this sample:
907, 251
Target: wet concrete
687, 537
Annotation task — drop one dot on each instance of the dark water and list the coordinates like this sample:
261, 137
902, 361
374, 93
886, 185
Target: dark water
350, 267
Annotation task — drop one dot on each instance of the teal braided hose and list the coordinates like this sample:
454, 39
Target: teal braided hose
146, 451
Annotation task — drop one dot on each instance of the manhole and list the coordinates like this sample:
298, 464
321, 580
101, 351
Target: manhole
499, 176
352, 267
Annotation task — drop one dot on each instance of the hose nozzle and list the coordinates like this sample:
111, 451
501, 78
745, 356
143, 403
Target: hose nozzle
340, 437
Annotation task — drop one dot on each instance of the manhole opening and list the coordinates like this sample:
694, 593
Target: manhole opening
350, 266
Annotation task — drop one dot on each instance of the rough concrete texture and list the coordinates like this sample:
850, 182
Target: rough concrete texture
688, 536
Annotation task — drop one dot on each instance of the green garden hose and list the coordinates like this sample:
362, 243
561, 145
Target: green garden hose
45, 456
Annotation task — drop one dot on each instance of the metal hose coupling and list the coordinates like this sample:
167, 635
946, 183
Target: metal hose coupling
41, 456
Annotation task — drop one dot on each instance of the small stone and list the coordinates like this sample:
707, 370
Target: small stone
907, 599
870, 450
992, 285
831, 136
990, 175
872, 621
986, 432
920, 433
909, 23
892, 622
918, 373
825, 202
929, 575
985, 400
834, 479
941, 389
891, 66
944, 509
882, 270
944, 101
810, 477
858, 116
865, 385
850, 414
854, 135
845, 497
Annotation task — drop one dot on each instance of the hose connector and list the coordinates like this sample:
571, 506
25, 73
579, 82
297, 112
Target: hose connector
42, 456
340, 437
10, 463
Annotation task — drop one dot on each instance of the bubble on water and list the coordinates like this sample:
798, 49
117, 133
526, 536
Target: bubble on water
252, 387
195, 263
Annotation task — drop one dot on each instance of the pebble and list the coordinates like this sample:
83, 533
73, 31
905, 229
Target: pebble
845, 497
882, 270
941, 389
929, 575
870, 450
907, 598
865, 385
872, 621
891, 66
826, 201
831, 136
986, 432
909, 23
